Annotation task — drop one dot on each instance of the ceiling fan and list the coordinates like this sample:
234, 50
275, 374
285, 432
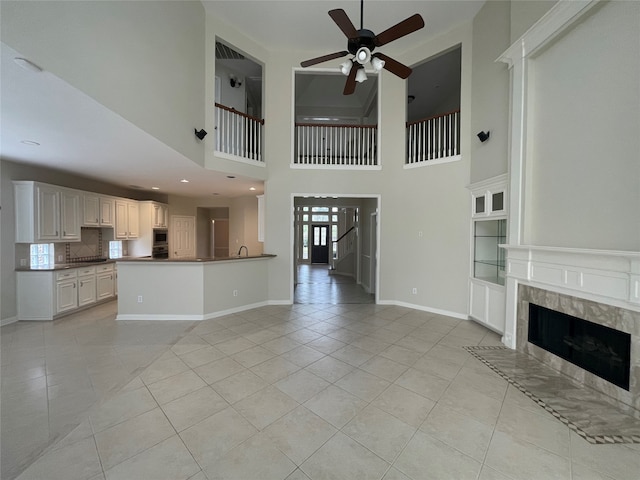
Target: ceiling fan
361, 43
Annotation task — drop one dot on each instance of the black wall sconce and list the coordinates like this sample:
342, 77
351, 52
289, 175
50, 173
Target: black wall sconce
200, 134
484, 136
234, 81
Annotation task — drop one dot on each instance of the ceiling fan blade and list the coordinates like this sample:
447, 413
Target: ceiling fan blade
394, 66
342, 20
325, 58
405, 27
350, 86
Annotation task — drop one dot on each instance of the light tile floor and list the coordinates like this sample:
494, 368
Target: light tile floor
53, 372
315, 285
304, 392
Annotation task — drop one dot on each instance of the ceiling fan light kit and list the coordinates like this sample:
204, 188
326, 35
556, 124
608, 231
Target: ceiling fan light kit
377, 64
361, 76
361, 44
345, 68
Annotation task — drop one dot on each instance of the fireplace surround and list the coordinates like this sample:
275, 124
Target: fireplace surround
612, 317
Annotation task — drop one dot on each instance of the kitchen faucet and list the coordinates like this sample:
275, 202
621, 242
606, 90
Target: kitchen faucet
240, 251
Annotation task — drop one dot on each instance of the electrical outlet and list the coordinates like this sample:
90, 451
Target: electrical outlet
414, 290
420, 234
235, 293
60, 258
139, 298
23, 262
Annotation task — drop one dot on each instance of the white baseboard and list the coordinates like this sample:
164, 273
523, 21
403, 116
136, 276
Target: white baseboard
280, 302
448, 313
8, 321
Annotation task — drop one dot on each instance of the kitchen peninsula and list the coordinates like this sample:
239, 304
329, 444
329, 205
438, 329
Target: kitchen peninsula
190, 288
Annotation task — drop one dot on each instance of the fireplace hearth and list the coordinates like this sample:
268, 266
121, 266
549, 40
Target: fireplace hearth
601, 350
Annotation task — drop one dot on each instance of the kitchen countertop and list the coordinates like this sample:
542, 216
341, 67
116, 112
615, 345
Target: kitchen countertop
65, 266
195, 259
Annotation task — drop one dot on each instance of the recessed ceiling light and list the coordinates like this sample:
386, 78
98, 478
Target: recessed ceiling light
252, 188
184, 180
155, 188
27, 65
231, 176
29, 142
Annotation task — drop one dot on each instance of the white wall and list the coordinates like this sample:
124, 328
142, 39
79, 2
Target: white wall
234, 97
584, 135
143, 60
243, 225
433, 199
525, 13
490, 91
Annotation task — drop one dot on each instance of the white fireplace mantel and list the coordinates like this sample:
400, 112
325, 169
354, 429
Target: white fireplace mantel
604, 276
608, 277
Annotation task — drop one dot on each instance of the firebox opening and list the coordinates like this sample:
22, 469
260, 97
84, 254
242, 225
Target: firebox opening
601, 350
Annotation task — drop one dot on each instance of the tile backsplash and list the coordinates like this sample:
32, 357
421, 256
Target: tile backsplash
90, 246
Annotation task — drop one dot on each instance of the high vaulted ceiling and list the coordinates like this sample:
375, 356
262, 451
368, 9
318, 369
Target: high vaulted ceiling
305, 25
77, 134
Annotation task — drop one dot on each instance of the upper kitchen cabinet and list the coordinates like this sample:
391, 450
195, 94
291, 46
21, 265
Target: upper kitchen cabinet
159, 215
98, 211
127, 219
46, 213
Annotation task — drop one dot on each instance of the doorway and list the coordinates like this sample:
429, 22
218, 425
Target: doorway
183, 232
320, 244
334, 249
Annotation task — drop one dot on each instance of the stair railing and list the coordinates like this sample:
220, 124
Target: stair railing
433, 138
238, 134
343, 248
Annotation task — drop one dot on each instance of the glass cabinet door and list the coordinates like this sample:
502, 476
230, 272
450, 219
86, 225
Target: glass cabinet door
489, 258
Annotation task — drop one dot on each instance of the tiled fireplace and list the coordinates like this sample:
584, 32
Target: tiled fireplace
601, 287
615, 318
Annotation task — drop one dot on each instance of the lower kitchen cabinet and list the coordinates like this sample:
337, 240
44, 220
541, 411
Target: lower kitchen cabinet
66, 296
49, 294
105, 281
86, 286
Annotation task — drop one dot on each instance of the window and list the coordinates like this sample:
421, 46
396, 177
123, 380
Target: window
305, 242
42, 255
115, 249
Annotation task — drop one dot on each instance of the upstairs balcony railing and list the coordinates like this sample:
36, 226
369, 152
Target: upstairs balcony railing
336, 145
238, 134
433, 138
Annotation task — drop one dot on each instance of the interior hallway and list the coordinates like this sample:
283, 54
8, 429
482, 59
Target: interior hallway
316, 286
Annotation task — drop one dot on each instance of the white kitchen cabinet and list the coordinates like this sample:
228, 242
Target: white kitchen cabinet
127, 219
107, 212
90, 210
159, 214
98, 211
105, 280
66, 291
153, 215
86, 286
70, 215
46, 213
49, 294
